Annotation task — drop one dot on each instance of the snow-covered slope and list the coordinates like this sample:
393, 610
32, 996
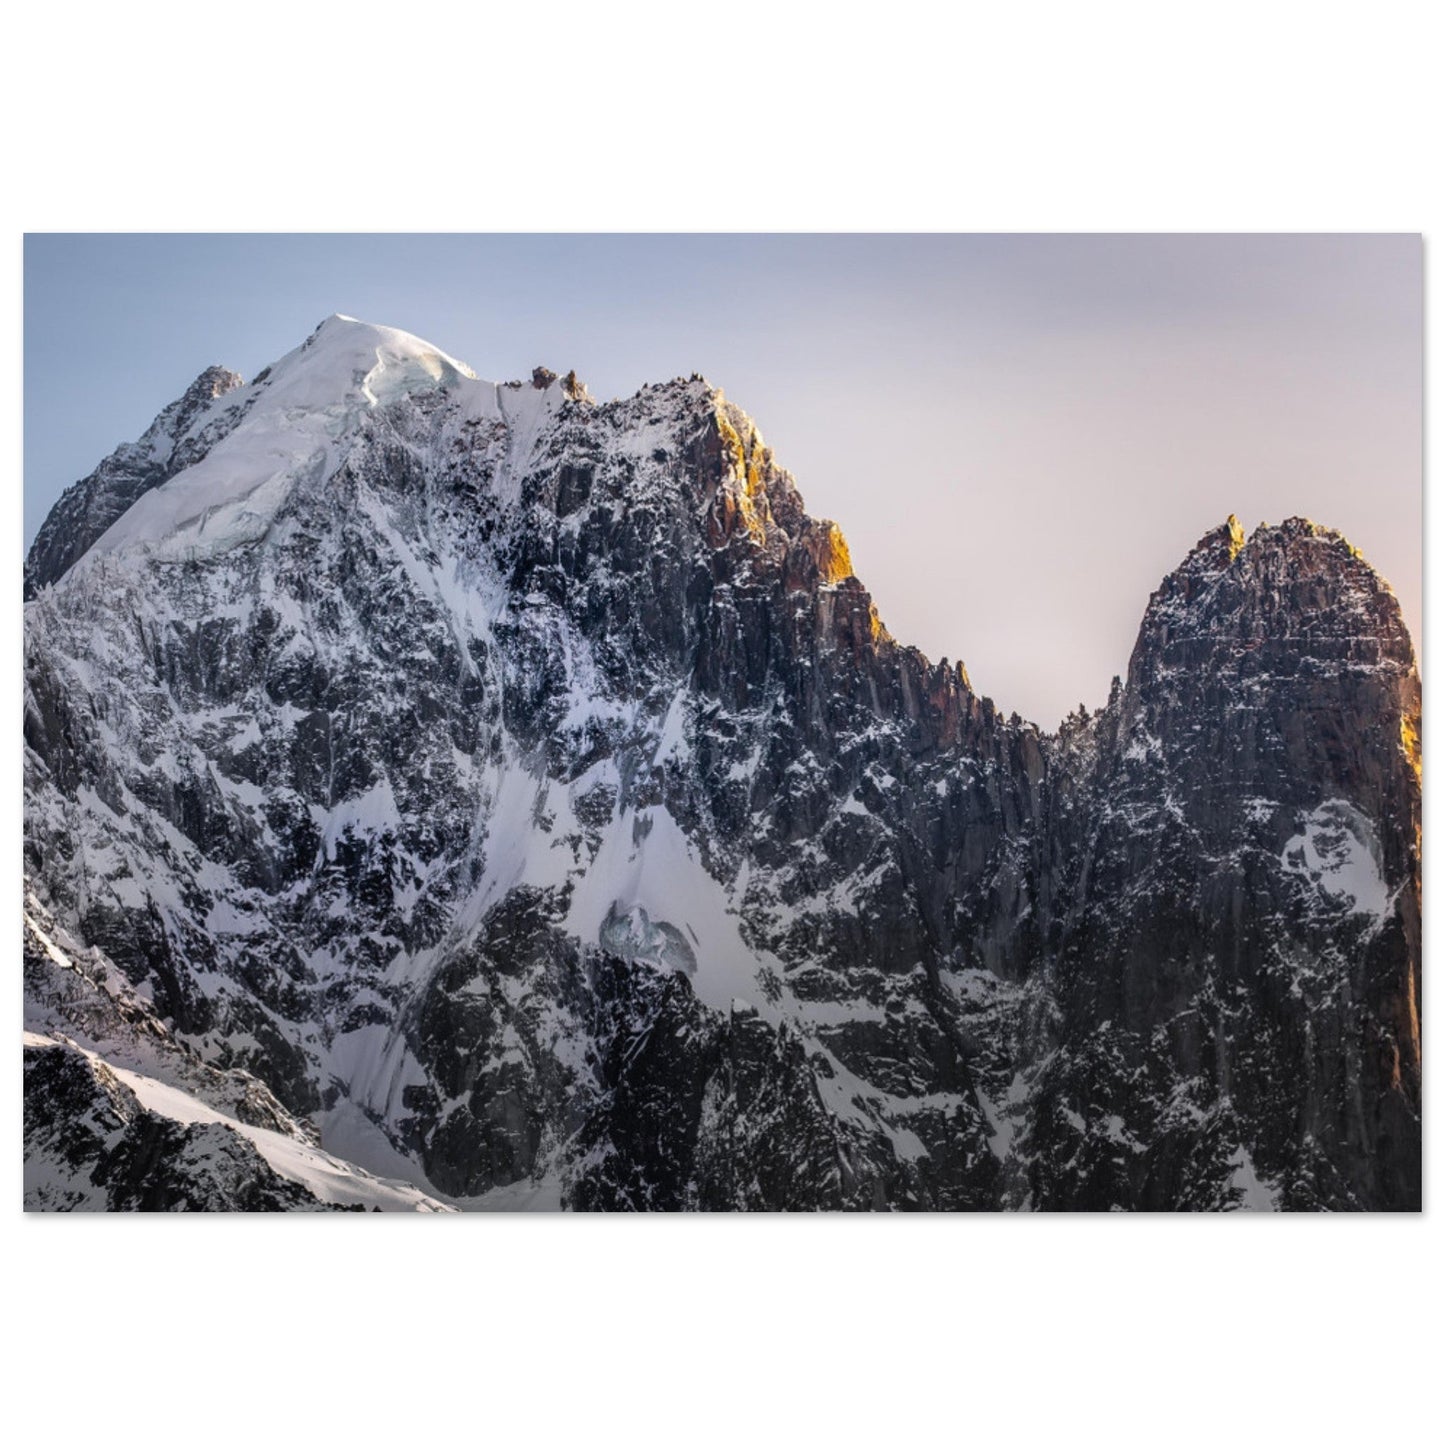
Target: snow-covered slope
120, 1114
154, 1147
177, 437
301, 419
527, 792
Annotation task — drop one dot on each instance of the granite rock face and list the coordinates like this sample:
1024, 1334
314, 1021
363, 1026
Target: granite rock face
524, 789
1239, 967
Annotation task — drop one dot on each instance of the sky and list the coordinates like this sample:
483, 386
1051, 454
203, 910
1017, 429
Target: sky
1019, 435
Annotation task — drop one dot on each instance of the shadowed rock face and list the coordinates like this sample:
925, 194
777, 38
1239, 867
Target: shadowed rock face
89, 1143
1244, 939
537, 782
172, 442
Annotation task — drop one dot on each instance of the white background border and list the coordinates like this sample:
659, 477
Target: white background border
1043, 116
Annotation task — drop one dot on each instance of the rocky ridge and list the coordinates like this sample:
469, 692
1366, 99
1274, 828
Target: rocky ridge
524, 788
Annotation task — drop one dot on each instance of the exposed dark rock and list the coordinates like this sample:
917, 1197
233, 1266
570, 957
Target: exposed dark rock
90, 1144
540, 782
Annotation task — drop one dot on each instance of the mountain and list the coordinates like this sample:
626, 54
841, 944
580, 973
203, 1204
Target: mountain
88, 508
522, 793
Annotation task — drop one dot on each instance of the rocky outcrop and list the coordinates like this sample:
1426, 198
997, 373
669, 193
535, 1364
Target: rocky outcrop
1245, 928
532, 778
120, 1114
91, 1144
85, 512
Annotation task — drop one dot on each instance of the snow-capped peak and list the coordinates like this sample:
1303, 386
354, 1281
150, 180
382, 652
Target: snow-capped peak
341, 347
295, 421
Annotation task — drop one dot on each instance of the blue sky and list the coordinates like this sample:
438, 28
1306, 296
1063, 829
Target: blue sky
1018, 435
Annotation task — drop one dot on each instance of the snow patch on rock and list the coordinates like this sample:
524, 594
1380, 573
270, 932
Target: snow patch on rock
1338, 851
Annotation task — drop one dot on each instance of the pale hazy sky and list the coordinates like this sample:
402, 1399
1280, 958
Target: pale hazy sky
1018, 435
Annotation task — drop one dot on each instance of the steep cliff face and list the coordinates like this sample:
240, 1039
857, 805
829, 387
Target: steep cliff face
525, 789
1239, 969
